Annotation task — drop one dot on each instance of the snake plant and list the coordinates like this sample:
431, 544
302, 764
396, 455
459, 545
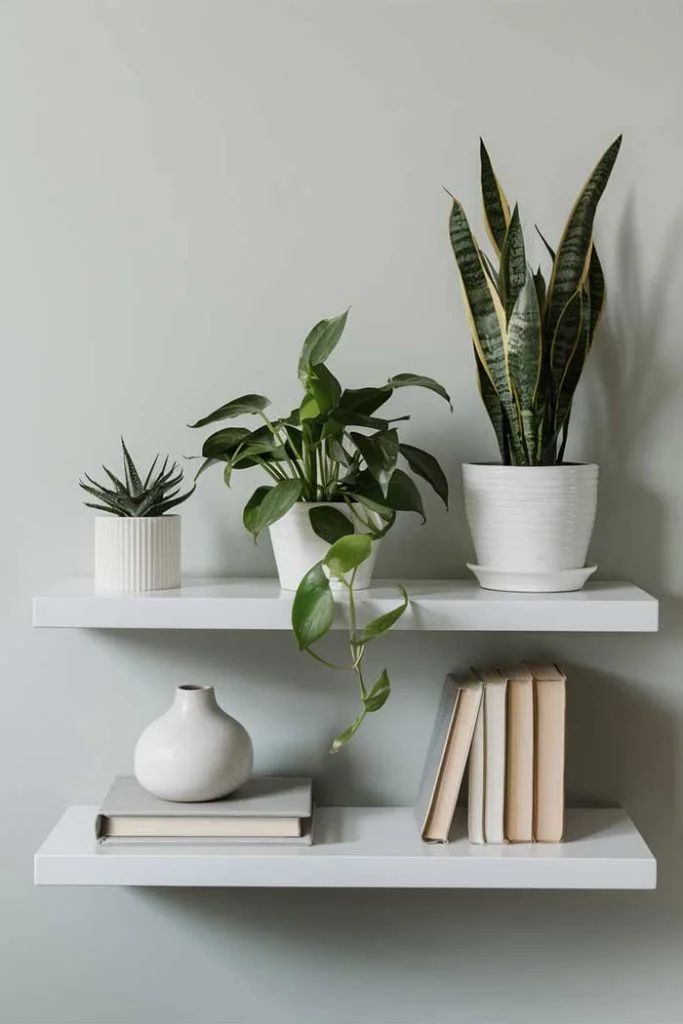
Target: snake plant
133, 497
531, 338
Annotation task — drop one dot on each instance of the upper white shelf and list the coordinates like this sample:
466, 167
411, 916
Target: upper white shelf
360, 847
434, 605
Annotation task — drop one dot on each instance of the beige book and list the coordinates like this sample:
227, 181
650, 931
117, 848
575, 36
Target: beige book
447, 756
549, 735
201, 828
486, 804
519, 783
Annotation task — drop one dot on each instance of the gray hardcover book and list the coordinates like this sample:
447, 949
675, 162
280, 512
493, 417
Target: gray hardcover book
269, 808
436, 752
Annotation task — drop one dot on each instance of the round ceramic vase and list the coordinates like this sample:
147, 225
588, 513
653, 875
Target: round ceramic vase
531, 525
297, 548
137, 553
195, 751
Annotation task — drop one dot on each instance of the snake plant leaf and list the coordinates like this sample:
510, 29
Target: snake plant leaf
133, 480
348, 734
490, 270
495, 204
417, 380
493, 406
324, 387
320, 344
596, 289
246, 405
383, 623
570, 268
365, 400
313, 608
484, 309
513, 269
426, 466
378, 694
574, 367
347, 553
380, 452
565, 341
525, 352
223, 442
268, 504
551, 251
539, 283
329, 523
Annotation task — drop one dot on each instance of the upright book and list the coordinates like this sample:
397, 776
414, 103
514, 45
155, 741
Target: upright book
519, 783
486, 806
549, 745
268, 809
447, 756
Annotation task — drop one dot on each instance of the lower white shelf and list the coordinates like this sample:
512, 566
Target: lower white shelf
360, 847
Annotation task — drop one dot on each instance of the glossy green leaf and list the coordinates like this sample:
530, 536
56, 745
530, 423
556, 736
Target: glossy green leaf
426, 466
378, 694
330, 524
571, 265
313, 608
348, 734
496, 207
336, 451
246, 405
309, 408
353, 418
513, 268
383, 623
268, 504
324, 387
417, 380
224, 442
347, 554
380, 452
320, 344
365, 400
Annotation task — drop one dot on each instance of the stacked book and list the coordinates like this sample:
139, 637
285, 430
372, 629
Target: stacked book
509, 724
266, 810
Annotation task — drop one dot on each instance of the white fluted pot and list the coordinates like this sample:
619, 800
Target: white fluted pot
297, 548
134, 554
195, 751
531, 525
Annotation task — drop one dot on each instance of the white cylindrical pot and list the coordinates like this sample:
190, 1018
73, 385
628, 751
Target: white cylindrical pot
531, 520
195, 751
297, 548
141, 553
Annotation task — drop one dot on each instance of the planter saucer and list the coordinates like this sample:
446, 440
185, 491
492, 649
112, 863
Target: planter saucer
557, 582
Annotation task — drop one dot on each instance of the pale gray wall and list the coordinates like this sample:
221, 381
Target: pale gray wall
186, 187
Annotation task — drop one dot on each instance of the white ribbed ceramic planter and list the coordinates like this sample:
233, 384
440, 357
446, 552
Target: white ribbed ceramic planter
137, 553
297, 548
195, 751
534, 521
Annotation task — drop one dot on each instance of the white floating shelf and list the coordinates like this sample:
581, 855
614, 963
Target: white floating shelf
360, 847
435, 605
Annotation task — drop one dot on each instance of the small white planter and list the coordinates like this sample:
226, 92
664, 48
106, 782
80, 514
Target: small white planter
297, 548
531, 525
134, 554
195, 751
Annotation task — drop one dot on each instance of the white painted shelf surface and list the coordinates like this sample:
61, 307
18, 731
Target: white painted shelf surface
360, 847
434, 605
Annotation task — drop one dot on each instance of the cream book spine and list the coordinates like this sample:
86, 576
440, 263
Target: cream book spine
495, 744
519, 760
476, 782
550, 715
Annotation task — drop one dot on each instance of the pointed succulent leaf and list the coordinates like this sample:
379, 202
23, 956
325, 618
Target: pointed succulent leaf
132, 477
313, 608
513, 269
570, 268
246, 405
320, 344
493, 406
426, 466
484, 309
525, 347
150, 472
539, 284
496, 206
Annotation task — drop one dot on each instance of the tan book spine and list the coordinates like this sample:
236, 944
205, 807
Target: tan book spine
549, 747
519, 783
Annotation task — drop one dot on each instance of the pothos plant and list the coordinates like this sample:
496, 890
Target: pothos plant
332, 449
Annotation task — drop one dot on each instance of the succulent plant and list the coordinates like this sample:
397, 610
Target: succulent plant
156, 495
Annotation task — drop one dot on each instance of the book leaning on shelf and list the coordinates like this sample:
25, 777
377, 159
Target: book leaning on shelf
265, 810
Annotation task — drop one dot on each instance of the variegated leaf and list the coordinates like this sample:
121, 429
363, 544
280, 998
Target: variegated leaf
513, 270
525, 345
565, 341
495, 204
596, 287
493, 406
574, 368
